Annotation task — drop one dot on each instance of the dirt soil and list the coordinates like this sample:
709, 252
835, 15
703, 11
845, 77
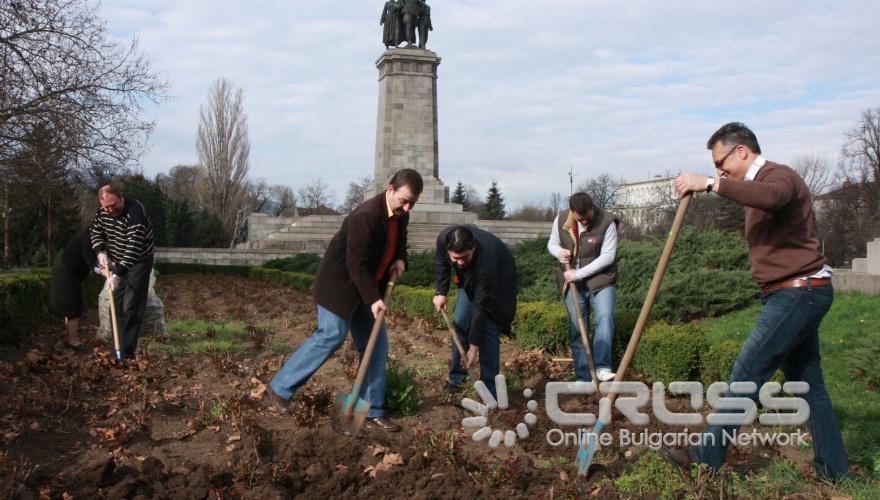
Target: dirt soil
73, 425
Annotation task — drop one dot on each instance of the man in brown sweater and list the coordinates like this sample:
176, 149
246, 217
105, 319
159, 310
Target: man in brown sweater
796, 290
349, 285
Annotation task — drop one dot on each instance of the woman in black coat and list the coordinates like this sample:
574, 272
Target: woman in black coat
65, 290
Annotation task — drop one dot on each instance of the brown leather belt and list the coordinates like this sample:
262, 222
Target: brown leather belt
797, 283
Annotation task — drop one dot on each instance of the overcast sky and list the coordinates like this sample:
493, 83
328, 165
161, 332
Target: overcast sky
526, 89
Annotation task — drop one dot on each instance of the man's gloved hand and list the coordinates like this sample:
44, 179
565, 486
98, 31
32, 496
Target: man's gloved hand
113, 281
103, 260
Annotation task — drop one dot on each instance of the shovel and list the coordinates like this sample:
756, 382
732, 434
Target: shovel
588, 445
588, 350
113, 318
454, 335
352, 408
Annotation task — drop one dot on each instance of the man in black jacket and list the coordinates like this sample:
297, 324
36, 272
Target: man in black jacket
349, 284
485, 274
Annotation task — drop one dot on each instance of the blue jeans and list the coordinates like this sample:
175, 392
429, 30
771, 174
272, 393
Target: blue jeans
786, 335
330, 335
602, 304
490, 350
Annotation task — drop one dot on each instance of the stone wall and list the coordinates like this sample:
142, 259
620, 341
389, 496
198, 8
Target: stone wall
218, 256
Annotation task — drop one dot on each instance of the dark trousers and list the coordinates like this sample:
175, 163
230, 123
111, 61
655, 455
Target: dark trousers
786, 335
131, 300
490, 351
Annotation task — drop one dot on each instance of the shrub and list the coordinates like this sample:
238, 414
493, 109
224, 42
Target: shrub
703, 293
717, 362
418, 302
403, 393
669, 353
420, 270
541, 325
300, 263
24, 299
300, 281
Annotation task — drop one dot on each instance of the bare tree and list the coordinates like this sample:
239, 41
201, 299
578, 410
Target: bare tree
603, 190
533, 213
315, 195
60, 68
555, 202
284, 197
258, 195
355, 194
815, 170
862, 150
224, 147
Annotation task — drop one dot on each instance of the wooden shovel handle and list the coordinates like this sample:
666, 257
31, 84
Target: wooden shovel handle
374, 333
652, 294
454, 334
112, 313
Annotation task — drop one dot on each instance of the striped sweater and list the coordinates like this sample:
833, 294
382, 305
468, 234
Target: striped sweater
127, 239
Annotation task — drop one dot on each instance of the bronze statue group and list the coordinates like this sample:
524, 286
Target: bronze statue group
401, 18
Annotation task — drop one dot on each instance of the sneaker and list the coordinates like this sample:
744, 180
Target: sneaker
605, 374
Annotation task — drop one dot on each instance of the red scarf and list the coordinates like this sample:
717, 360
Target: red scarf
390, 249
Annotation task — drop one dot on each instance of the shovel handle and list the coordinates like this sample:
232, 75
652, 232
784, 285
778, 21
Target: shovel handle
652, 294
374, 335
454, 334
113, 315
582, 326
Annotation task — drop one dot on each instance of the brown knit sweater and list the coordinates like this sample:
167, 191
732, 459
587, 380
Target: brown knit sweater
780, 225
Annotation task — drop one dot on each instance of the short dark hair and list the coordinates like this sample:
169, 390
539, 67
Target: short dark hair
460, 239
734, 134
581, 203
109, 189
407, 177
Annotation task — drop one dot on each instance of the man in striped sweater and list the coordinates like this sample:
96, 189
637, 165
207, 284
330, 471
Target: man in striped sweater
122, 236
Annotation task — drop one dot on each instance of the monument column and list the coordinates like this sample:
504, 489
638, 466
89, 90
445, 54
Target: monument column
406, 129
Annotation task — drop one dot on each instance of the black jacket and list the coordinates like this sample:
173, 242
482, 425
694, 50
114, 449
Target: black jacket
489, 281
344, 279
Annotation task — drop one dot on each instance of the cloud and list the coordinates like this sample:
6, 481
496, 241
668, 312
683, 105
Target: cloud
526, 89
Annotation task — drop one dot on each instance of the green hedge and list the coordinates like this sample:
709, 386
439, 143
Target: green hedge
541, 325
24, 303
668, 353
299, 263
300, 281
717, 361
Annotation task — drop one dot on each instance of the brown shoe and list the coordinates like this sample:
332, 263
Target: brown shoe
678, 458
280, 404
383, 423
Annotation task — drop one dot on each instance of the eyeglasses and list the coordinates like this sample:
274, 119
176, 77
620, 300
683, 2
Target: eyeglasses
720, 163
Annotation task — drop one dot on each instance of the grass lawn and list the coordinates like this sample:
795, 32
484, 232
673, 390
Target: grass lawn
850, 343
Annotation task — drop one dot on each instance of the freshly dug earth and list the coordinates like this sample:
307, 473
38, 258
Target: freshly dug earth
199, 426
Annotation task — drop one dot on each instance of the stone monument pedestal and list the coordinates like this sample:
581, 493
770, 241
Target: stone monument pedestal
406, 128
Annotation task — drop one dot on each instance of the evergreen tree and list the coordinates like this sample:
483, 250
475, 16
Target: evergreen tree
494, 207
460, 196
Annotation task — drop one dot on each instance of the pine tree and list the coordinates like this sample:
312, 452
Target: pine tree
460, 196
494, 207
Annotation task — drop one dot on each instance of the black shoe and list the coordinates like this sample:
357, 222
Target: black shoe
678, 458
280, 404
382, 423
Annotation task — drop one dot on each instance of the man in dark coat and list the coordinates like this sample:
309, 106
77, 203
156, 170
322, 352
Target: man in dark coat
65, 289
349, 285
485, 274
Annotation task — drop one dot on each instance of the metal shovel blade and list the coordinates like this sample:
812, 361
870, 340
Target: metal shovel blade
588, 449
352, 412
